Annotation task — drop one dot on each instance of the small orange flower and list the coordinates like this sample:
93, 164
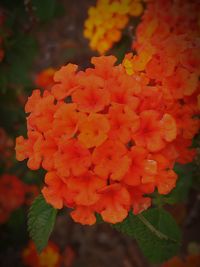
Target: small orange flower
103, 66
123, 93
160, 66
93, 130
33, 101
86, 188
181, 83
49, 148
166, 177
153, 131
138, 201
123, 122
38, 106
66, 120
114, 203
72, 158
84, 215
141, 169
91, 99
111, 159
44, 79
30, 148
56, 191
186, 121
66, 81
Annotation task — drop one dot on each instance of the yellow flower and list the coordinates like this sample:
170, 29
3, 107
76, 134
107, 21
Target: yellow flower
106, 21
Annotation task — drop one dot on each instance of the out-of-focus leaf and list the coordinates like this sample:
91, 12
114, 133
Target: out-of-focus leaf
17, 225
45, 9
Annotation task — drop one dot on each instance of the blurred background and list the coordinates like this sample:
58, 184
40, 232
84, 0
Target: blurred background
36, 38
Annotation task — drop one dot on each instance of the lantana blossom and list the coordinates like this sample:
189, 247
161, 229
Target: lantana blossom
102, 154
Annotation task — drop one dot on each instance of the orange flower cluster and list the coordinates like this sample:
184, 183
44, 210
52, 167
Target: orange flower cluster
168, 54
105, 139
44, 79
192, 260
18, 193
49, 257
107, 20
12, 195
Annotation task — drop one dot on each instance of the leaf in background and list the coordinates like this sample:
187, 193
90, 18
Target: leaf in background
41, 219
14, 231
3, 80
156, 232
45, 9
17, 225
121, 48
19, 59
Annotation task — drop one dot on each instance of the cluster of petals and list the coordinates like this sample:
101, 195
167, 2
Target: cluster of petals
167, 50
106, 21
49, 257
44, 79
100, 138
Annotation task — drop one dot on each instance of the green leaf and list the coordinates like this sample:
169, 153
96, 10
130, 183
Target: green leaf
156, 232
41, 219
121, 48
45, 9
20, 58
99, 218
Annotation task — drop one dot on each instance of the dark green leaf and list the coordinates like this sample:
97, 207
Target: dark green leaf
17, 225
41, 219
44, 9
156, 233
99, 218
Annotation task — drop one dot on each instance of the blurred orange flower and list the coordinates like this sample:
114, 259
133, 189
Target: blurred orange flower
14, 190
49, 257
44, 79
190, 261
